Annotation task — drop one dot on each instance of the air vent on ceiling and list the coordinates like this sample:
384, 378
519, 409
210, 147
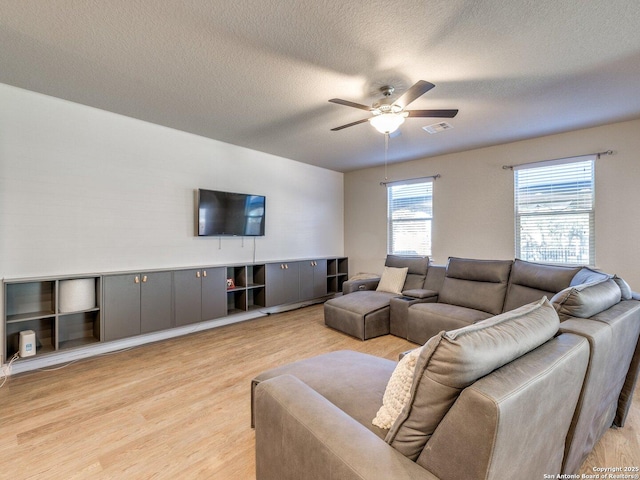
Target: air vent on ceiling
437, 127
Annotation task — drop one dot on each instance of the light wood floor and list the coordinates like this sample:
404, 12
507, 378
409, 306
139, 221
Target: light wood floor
180, 408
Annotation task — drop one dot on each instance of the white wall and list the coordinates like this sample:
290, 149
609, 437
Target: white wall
83, 190
473, 201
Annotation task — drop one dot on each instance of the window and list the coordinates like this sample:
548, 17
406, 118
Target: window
409, 217
554, 203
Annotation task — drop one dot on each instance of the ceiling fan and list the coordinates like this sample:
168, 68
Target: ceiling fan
388, 116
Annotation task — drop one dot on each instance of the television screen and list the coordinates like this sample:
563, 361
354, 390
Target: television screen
230, 214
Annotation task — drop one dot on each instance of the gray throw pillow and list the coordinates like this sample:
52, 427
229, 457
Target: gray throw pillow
586, 300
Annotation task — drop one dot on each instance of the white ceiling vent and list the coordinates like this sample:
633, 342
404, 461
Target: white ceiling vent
437, 127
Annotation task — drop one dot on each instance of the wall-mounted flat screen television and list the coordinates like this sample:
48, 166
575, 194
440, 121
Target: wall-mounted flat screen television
230, 214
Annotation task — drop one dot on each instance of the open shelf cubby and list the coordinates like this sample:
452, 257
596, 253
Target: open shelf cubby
30, 300
256, 298
78, 329
236, 301
256, 275
44, 329
236, 277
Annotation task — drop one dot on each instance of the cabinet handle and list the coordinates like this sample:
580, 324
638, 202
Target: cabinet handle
144, 279
198, 274
204, 273
137, 279
286, 266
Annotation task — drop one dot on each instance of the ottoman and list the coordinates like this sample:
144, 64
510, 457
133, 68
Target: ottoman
354, 382
362, 314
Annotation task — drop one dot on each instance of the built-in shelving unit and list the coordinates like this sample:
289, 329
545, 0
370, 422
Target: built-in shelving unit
337, 274
76, 311
245, 288
62, 312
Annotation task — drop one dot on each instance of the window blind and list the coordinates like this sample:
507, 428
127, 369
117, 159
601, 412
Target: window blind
555, 215
409, 217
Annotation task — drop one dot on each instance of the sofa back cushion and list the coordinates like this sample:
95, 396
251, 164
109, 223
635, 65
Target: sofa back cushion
587, 300
417, 269
451, 361
588, 275
625, 289
530, 282
477, 284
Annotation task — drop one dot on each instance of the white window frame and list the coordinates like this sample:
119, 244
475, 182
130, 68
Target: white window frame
555, 211
409, 222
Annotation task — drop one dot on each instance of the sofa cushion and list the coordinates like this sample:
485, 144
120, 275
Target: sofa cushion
417, 269
362, 302
529, 282
353, 381
428, 319
392, 280
396, 395
586, 300
625, 289
588, 275
451, 361
477, 284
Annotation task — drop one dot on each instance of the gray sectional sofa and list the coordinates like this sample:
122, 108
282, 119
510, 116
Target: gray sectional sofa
365, 313
519, 407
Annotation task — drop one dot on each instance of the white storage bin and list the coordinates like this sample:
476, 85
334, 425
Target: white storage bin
76, 295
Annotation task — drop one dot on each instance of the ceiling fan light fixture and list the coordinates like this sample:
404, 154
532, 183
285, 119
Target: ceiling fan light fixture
387, 122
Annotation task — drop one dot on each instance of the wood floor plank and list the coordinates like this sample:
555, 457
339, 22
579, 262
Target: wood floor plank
180, 408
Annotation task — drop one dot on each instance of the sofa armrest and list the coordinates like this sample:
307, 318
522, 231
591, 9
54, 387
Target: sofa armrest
354, 285
420, 293
515, 419
300, 434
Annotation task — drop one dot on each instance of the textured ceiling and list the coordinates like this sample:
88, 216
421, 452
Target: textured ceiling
258, 73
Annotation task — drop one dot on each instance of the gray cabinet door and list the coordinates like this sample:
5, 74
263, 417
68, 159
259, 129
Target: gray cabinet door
282, 283
306, 279
156, 305
274, 283
320, 278
291, 280
121, 306
214, 293
188, 296
313, 279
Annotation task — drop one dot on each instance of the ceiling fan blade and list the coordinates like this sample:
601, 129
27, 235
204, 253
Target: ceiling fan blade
417, 90
432, 113
347, 103
349, 125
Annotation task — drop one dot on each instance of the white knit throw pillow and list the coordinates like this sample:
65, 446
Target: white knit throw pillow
392, 280
398, 389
